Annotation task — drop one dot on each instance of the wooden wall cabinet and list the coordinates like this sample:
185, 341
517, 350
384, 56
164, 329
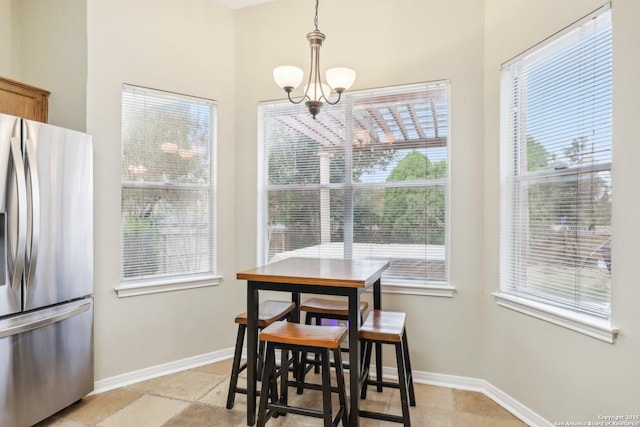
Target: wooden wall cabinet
23, 100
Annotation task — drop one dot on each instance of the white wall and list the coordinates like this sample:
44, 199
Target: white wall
561, 374
179, 46
9, 16
53, 51
44, 44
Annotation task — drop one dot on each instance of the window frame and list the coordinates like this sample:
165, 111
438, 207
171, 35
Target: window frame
512, 205
189, 280
397, 286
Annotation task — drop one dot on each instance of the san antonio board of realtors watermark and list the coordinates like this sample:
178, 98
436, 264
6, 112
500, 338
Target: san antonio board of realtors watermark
605, 421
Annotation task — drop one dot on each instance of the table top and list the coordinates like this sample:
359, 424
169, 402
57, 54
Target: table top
319, 272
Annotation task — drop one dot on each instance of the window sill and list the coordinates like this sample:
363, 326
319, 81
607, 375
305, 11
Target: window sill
391, 287
589, 325
133, 289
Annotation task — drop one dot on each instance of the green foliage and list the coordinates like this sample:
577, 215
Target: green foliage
368, 158
415, 214
138, 225
537, 156
166, 162
170, 142
576, 151
563, 207
294, 159
141, 253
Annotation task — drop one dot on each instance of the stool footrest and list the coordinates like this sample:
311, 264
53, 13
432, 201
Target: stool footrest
381, 416
311, 386
285, 409
244, 391
281, 408
312, 363
384, 384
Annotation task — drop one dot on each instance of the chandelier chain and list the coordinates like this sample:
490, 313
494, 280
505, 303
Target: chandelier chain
315, 21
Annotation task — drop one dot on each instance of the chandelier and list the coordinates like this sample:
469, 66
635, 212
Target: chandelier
316, 93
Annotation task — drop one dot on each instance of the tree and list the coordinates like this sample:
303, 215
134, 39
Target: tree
562, 207
576, 151
294, 159
415, 214
169, 142
537, 156
164, 143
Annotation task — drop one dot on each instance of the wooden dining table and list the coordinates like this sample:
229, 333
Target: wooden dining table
312, 276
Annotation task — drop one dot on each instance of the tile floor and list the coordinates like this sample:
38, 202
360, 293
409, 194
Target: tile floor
197, 398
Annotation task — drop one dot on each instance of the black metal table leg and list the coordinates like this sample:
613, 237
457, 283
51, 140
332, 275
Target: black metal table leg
377, 305
377, 295
354, 356
295, 314
252, 354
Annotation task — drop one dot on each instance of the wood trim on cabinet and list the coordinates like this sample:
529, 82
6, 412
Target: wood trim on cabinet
23, 100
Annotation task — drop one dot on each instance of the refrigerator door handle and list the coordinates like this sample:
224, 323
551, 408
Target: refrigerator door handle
35, 320
32, 248
17, 259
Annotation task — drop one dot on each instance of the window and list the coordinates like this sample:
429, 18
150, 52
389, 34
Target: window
168, 192
367, 179
556, 184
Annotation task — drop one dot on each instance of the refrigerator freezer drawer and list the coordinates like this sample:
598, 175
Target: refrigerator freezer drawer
46, 362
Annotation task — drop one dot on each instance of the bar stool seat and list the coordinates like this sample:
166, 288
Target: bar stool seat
321, 308
286, 336
388, 327
328, 308
270, 311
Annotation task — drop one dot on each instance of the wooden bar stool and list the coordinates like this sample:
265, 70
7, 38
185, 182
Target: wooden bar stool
269, 312
318, 309
388, 327
286, 337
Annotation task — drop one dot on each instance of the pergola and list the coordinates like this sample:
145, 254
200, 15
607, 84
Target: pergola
407, 120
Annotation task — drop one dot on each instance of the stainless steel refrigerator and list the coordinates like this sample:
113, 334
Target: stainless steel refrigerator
46, 269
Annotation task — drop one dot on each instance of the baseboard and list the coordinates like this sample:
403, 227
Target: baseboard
160, 370
525, 414
461, 383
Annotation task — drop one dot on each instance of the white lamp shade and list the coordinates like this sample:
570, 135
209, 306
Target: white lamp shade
288, 76
341, 78
314, 93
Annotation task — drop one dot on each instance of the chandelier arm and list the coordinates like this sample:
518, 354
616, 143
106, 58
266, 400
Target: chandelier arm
306, 92
337, 100
319, 80
291, 99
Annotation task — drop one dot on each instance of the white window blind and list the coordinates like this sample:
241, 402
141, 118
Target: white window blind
168, 202
556, 169
367, 179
